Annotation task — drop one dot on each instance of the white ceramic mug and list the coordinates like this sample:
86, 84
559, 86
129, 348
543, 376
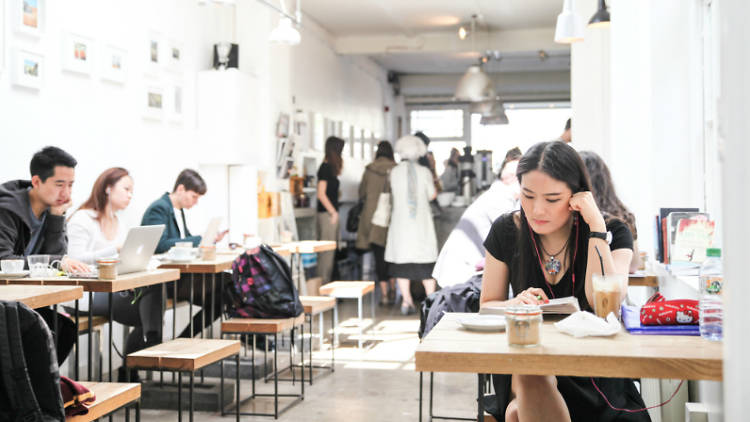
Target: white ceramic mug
11, 266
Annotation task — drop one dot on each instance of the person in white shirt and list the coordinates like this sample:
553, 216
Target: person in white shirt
463, 251
95, 231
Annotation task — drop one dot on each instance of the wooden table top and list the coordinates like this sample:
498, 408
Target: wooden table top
109, 396
314, 305
40, 296
199, 266
347, 289
450, 348
123, 282
311, 246
649, 280
187, 354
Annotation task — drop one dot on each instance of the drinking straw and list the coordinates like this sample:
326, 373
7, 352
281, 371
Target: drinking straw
601, 261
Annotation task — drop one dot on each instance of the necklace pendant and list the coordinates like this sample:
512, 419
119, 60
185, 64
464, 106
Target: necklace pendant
552, 265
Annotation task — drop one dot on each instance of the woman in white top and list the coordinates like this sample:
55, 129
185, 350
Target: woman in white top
411, 248
95, 231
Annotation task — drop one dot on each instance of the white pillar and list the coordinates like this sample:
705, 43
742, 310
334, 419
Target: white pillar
734, 132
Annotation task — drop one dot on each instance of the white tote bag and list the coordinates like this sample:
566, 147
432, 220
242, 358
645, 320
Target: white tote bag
382, 215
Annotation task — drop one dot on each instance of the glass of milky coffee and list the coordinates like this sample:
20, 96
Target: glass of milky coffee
609, 291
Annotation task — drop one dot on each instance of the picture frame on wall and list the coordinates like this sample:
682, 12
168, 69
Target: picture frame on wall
154, 52
78, 54
28, 16
113, 64
28, 69
174, 55
176, 103
153, 103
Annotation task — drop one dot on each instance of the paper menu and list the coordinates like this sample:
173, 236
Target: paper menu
562, 305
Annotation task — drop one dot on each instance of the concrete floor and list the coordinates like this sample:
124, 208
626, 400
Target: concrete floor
377, 383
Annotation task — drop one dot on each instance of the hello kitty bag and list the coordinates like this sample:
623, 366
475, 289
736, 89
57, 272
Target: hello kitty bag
659, 311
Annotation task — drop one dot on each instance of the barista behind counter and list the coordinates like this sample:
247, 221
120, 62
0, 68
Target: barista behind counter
464, 250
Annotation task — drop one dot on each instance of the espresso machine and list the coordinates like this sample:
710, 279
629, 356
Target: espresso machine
467, 175
483, 169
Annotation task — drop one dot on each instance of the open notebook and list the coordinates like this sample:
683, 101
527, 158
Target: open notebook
562, 305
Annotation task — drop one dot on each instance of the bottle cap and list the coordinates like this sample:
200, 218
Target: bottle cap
713, 252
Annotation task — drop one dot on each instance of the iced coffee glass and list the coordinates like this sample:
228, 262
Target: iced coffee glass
609, 289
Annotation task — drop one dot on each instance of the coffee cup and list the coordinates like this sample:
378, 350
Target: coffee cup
609, 290
107, 268
208, 252
11, 266
181, 253
183, 245
38, 265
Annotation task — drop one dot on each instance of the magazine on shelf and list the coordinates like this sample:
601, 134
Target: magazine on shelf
689, 234
562, 305
661, 231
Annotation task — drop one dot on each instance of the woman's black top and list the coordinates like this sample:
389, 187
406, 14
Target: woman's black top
583, 401
326, 173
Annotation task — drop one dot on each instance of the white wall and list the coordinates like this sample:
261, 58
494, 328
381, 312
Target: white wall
99, 122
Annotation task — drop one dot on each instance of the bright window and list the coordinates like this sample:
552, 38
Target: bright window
438, 123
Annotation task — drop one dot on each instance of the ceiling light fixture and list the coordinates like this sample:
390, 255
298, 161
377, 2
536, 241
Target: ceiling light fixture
462, 33
285, 33
601, 17
475, 85
496, 115
569, 27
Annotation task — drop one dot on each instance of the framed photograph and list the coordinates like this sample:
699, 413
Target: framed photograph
282, 126
78, 54
174, 55
155, 52
114, 64
28, 16
176, 103
28, 69
153, 101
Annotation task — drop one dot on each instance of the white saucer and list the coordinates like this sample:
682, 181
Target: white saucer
23, 273
483, 322
180, 259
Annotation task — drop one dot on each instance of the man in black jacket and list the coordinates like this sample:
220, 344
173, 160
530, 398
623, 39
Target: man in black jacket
32, 220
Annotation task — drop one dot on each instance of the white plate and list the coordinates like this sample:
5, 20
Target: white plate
191, 259
483, 322
23, 273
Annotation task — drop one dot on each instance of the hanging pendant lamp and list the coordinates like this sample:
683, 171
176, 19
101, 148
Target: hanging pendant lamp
569, 27
475, 85
601, 17
495, 116
285, 33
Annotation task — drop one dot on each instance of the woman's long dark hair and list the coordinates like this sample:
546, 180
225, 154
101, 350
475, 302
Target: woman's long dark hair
561, 162
385, 150
604, 190
334, 146
98, 199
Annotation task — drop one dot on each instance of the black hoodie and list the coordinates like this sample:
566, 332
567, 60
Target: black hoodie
15, 227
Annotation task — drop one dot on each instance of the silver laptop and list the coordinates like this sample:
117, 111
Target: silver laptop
138, 248
211, 231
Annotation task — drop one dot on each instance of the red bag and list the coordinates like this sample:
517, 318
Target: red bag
76, 397
659, 311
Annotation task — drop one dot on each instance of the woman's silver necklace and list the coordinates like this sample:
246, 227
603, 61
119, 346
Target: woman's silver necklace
553, 265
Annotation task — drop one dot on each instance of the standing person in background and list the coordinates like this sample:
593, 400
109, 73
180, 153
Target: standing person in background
411, 246
328, 202
463, 252
428, 160
450, 176
606, 198
95, 231
370, 236
566, 136
188, 188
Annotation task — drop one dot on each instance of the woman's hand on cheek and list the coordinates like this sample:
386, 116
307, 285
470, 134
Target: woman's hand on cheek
584, 203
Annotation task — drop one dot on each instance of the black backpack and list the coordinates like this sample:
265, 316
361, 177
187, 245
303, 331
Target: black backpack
352, 218
27, 393
262, 287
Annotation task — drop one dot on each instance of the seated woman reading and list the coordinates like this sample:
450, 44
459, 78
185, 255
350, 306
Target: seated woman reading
547, 250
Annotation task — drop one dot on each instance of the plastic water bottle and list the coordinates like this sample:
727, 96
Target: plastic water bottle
711, 308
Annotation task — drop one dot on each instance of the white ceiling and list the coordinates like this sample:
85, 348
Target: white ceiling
409, 17
420, 36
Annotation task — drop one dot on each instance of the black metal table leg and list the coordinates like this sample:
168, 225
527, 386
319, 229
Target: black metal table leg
190, 393
91, 338
237, 387
78, 350
420, 395
111, 317
179, 396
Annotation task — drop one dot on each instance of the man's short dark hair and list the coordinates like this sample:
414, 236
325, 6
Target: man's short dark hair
567, 125
191, 180
43, 163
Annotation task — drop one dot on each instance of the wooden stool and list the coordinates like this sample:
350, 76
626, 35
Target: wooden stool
318, 305
97, 322
264, 326
110, 397
351, 290
186, 355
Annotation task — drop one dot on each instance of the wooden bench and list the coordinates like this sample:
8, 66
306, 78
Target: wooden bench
318, 305
185, 355
351, 290
267, 326
110, 397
